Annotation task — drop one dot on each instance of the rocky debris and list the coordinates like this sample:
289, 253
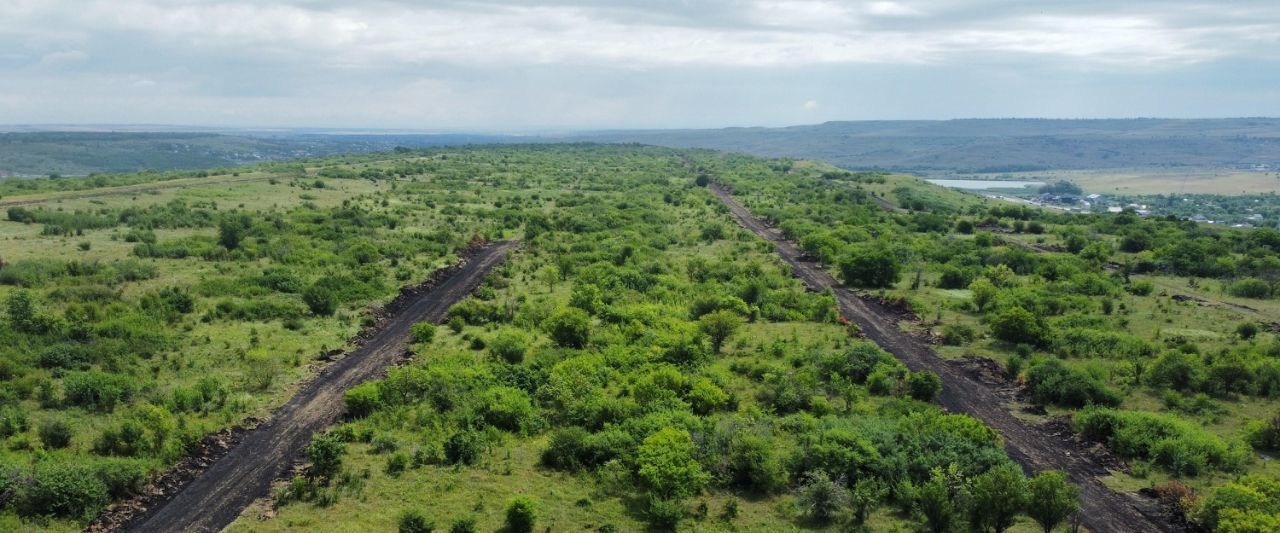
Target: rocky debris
212, 447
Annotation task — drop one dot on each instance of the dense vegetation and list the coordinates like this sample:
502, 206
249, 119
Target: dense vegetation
642, 361
1162, 330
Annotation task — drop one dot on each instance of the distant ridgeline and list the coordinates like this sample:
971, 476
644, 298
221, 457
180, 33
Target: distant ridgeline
994, 145
83, 153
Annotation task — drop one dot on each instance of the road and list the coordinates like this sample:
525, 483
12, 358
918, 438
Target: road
217, 496
1102, 509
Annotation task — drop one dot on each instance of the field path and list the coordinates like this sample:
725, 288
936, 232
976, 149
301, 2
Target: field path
217, 496
1102, 509
54, 196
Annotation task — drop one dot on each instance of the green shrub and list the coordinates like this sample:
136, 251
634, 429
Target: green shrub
872, 266
363, 399
568, 327
320, 298
522, 514
1250, 288
958, 334
414, 522
509, 345
1016, 325
510, 409
924, 386
1142, 288
63, 490
463, 524
423, 332
1173, 444
55, 434
1052, 382
325, 453
664, 514
97, 390
463, 447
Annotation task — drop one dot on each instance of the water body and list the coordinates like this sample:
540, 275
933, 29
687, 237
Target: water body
982, 185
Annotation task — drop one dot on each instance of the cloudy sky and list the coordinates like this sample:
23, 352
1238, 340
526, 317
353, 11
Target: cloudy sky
511, 65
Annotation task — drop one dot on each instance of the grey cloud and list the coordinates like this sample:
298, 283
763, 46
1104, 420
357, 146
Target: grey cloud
503, 64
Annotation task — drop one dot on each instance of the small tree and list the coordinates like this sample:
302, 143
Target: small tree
522, 513
873, 266
569, 327
232, 229
719, 326
1018, 326
997, 497
667, 466
325, 453
1051, 499
822, 497
984, 293
550, 275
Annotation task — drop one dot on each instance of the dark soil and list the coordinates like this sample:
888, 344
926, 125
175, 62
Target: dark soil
209, 490
1035, 447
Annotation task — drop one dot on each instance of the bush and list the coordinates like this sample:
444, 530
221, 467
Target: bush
924, 386
509, 345
872, 266
1247, 330
463, 447
1250, 288
97, 390
1176, 446
1016, 325
363, 399
664, 514
1142, 288
321, 299
510, 409
1053, 383
423, 332
55, 434
754, 464
821, 497
568, 327
62, 490
522, 513
415, 522
958, 334
567, 449
325, 453
463, 524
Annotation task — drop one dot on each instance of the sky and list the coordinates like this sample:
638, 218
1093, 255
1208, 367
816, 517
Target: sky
516, 65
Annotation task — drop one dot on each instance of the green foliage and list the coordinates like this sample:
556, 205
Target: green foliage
1052, 382
423, 332
1018, 326
325, 453
363, 399
871, 266
998, 497
568, 327
924, 386
1051, 499
509, 345
55, 434
1250, 288
1175, 445
413, 521
521, 514
665, 463
821, 497
719, 326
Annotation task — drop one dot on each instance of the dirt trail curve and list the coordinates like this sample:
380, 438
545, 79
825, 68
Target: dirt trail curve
217, 496
1103, 509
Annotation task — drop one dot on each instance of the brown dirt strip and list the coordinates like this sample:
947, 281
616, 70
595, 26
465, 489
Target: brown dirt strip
216, 496
1035, 448
125, 189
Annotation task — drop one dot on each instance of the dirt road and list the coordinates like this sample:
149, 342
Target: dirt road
216, 497
1102, 509
136, 188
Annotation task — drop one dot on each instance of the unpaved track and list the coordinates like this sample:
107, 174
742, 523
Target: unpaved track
1102, 509
127, 189
216, 497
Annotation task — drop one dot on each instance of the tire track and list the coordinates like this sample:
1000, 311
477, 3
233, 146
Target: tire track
1102, 509
217, 496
